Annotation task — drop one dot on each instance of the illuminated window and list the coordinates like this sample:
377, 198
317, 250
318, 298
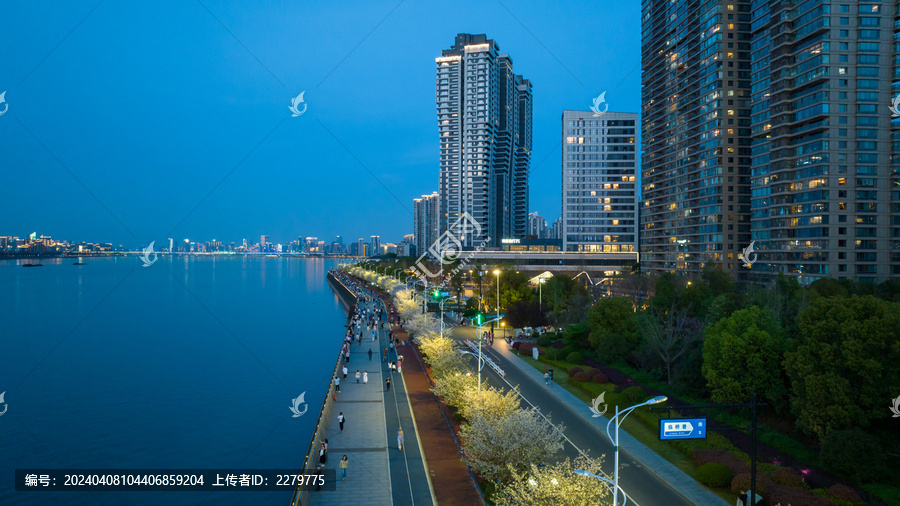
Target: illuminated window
842, 181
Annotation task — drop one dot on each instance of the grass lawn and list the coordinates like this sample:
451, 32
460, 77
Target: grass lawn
638, 428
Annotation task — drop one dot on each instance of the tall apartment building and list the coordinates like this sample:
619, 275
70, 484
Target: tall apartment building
825, 184
695, 134
375, 241
484, 113
425, 221
536, 225
599, 187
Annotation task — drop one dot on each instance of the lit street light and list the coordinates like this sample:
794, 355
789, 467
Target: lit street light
541, 293
497, 272
615, 443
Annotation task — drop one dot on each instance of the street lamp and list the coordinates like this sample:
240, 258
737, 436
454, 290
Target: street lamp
541, 292
497, 273
480, 359
606, 481
615, 443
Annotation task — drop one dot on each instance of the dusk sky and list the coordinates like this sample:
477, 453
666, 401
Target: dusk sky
132, 122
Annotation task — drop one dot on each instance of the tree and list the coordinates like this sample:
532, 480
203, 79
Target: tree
497, 447
455, 388
844, 368
742, 355
525, 314
489, 402
441, 355
613, 329
670, 334
556, 484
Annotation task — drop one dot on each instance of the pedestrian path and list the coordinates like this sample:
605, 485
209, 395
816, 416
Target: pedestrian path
665, 470
378, 471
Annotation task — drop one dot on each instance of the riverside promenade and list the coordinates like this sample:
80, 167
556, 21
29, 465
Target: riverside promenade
378, 472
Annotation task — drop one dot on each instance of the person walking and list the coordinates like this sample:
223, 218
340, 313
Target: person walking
341, 420
345, 372
547, 378
318, 480
384, 358
344, 464
400, 439
337, 383
357, 376
370, 354
400, 364
388, 383
323, 454
365, 377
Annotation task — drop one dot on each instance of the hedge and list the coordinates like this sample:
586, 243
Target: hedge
714, 474
575, 358
581, 376
575, 370
842, 492
635, 394
544, 341
600, 378
786, 476
593, 371
741, 483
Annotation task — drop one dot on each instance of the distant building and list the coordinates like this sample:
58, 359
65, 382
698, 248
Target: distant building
536, 225
376, 245
599, 188
360, 247
263, 241
425, 221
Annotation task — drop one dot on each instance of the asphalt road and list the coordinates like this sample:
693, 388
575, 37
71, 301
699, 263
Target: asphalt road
641, 486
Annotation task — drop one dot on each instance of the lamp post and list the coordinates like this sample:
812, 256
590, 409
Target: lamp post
497, 273
615, 442
441, 305
480, 359
541, 293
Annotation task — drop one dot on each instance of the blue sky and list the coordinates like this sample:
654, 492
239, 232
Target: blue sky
130, 122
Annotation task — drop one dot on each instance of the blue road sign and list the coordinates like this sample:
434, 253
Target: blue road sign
682, 428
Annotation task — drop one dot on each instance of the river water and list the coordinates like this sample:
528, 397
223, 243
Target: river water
189, 363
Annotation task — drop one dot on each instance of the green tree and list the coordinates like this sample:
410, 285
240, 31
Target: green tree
613, 328
742, 355
844, 367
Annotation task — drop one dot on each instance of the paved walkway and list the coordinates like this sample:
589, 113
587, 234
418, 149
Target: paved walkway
378, 472
647, 458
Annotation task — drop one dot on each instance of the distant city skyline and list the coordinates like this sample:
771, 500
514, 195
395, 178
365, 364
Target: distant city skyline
116, 134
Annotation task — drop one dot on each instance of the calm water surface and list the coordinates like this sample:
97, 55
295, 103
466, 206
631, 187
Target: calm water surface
191, 362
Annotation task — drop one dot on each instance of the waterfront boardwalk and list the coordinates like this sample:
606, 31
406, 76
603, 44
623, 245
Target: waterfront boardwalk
378, 472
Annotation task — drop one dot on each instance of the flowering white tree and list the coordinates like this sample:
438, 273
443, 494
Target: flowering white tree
441, 355
455, 388
495, 447
490, 403
556, 484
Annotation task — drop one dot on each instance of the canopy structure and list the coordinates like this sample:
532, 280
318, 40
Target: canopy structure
537, 279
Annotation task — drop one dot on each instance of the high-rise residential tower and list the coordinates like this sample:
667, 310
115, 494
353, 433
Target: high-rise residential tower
599, 190
825, 185
425, 221
484, 113
695, 134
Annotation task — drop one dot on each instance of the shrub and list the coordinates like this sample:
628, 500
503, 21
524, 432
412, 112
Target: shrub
575, 358
600, 378
516, 345
593, 371
566, 350
581, 377
635, 394
526, 348
842, 492
544, 341
854, 454
780, 494
741, 483
584, 344
551, 354
575, 370
714, 474
786, 476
